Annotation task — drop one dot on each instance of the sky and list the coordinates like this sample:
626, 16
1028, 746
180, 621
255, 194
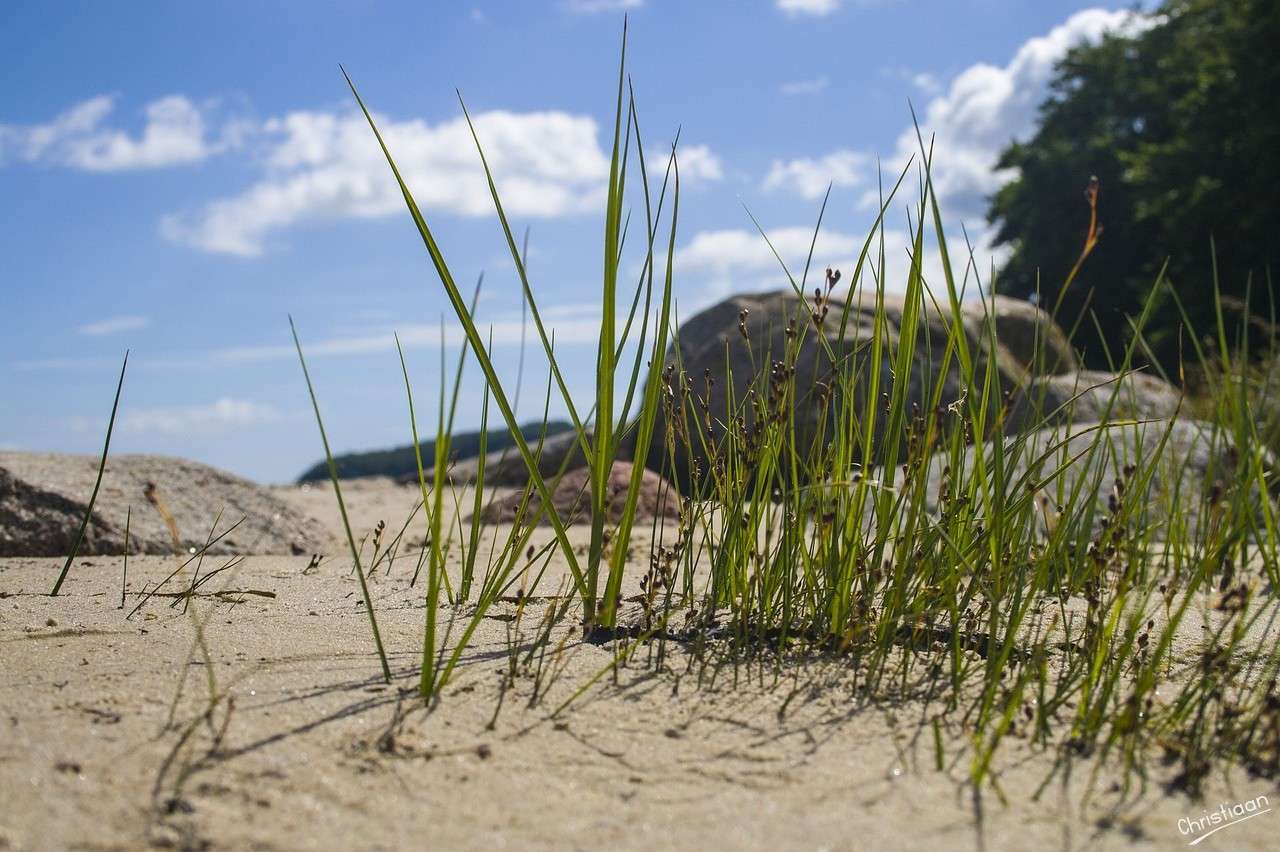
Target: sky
177, 179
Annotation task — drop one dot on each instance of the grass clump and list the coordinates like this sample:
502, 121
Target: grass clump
1037, 581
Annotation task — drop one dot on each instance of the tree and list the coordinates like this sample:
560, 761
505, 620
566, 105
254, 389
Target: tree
1179, 124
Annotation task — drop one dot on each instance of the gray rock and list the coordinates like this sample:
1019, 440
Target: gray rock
1093, 396
36, 522
572, 499
43, 497
712, 347
1037, 342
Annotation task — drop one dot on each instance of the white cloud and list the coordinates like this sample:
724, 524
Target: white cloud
820, 8
591, 7
717, 263
737, 260
114, 325
698, 163
816, 8
570, 325
174, 133
810, 178
981, 111
327, 165
805, 87
925, 82
219, 416
34, 142
985, 107
322, 165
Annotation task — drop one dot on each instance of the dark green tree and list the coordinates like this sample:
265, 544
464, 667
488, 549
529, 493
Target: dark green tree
1180, 125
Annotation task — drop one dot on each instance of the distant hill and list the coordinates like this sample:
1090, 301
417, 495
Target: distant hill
400, 461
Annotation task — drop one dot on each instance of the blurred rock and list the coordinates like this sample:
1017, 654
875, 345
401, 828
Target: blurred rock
1038, 343
1092, 396
43, 497
725, 348
572, 498
507, 467
1196, 466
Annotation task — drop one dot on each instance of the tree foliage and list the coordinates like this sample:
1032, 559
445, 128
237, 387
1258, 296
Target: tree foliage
1180, 125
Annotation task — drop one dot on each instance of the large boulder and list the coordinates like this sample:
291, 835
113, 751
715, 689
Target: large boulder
44, 496
732, 346
571, 498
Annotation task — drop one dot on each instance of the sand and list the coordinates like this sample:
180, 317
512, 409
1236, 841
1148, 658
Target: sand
306, 747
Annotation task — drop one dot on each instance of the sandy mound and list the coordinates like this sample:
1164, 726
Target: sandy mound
174, 503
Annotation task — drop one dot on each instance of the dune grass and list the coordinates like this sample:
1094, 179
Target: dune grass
97, 484
905, 528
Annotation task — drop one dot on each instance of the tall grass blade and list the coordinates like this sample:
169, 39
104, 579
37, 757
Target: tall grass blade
97, 483
342, 509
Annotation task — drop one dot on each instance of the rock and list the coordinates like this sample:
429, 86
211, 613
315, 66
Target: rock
712, 346
1197, 459
1093, 396
36, 522
507, 467
43, 497
572, 498
1037, 342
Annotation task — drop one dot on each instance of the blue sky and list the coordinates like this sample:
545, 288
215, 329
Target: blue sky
177, 178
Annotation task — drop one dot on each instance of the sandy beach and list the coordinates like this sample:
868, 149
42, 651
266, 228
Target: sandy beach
119, 733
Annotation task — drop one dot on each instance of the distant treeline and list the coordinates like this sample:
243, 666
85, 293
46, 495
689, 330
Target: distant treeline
400, 461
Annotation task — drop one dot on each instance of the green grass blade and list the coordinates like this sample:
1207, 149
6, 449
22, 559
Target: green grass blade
477, 347
342, 509
97, 483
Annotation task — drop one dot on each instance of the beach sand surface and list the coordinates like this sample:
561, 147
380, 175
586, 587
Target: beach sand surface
258, 719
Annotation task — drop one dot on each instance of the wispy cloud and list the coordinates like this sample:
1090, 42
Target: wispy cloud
222, 415
591, 7
925, 81
821, 8
809, 178
736, 260
174, 133
805, 87
741, 261
816, 8
323, 165
570, 325
114, 325
31, 365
